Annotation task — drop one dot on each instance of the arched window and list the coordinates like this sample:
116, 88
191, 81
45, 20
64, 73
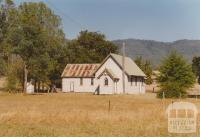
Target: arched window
106, 82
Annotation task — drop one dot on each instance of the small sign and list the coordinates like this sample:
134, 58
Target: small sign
182, 117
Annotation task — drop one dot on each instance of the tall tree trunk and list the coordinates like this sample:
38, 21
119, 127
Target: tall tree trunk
38, 86
42, 86
25, 78
35, 86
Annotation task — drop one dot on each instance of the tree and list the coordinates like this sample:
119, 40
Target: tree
33, 33
175, 77
37, 37
90, 47
196, 67
5, 22
62, 58
145, 66
2, 67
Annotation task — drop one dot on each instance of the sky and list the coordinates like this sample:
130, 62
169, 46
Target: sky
161, 20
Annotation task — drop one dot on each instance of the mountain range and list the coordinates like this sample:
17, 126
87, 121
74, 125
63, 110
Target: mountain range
156, 51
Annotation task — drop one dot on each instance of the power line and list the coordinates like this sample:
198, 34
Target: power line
66, 15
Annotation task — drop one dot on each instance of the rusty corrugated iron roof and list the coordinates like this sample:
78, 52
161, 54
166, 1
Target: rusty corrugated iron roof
80, 70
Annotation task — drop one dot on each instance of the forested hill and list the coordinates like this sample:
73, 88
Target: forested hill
155, 50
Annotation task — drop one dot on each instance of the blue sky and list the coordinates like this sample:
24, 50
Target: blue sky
163, 20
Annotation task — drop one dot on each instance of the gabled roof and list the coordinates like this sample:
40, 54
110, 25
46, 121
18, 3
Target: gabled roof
110, 73
88, 70
131, 68
79, 70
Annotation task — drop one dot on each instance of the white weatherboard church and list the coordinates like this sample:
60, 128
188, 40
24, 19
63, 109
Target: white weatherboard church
104, 78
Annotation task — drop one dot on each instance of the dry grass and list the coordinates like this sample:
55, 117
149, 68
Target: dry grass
84, 115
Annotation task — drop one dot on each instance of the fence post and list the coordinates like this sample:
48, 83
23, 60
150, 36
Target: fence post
109, 106
163, 95
163, 101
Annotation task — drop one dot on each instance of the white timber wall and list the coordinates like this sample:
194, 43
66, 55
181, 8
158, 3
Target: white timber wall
110, 64
138, 88
73, 84
106, 89
118, 87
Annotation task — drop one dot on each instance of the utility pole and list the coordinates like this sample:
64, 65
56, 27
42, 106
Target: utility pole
123, 67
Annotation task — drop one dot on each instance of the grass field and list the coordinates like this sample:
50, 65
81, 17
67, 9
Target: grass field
84, 115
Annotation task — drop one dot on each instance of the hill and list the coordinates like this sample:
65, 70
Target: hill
155, 51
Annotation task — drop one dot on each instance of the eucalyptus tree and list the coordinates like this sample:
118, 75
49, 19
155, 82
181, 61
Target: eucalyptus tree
90, 47
6, 8
38, 38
